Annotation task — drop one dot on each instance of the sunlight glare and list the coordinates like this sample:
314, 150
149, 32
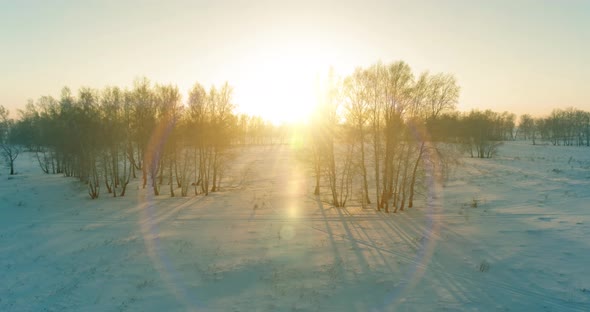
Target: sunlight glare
293, 211
282, 88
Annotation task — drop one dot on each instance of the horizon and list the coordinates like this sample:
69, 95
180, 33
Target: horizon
525, 57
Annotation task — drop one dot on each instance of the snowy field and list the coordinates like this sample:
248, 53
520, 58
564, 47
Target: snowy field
265, 244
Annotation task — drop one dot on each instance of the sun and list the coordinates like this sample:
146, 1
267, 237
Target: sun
282, 88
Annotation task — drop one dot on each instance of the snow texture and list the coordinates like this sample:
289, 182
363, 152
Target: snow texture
503, 234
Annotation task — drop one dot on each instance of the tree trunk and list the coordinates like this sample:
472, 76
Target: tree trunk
144, 175
413, 182
405, 179
170, 164
106, 176
214, 182
178, 179
161, 166
364, 169
317, 184
376, 158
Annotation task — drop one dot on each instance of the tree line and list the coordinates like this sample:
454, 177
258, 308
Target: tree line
107, 137
568, 127
376, 135
478, 133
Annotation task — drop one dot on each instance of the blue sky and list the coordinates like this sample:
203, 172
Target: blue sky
521, 56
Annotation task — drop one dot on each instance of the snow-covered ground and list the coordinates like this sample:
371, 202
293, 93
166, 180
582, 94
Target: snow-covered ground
265, 244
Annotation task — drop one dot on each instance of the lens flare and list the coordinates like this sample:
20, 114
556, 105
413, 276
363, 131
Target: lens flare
148, 223
424, 254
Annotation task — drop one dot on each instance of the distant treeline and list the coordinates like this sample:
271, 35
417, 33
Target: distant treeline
569, 127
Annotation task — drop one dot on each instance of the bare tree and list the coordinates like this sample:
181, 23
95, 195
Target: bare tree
444, 94
374, 80
169, 110
9, 147
427, 104
357, 116
397, 88
526, 127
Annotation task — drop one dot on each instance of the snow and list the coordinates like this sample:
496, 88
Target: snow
264, 243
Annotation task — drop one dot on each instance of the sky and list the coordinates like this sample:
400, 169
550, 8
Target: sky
519, 56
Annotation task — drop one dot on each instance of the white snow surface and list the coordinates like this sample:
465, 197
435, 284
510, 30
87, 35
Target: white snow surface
264, 243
